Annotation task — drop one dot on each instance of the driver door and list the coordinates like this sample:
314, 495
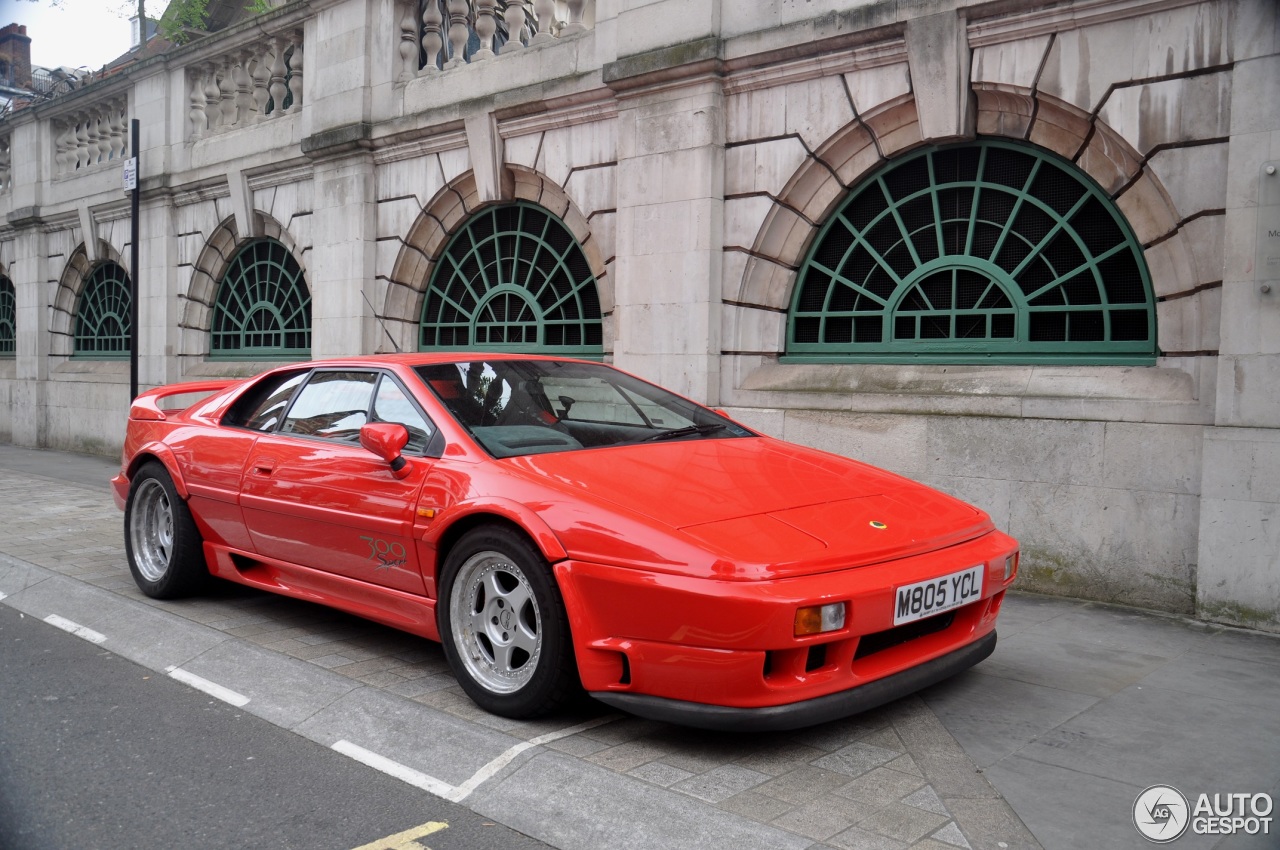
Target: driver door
312, 496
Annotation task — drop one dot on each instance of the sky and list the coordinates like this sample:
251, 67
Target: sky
75, 32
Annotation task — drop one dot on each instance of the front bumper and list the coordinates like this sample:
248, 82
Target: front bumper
780, 718
661, 644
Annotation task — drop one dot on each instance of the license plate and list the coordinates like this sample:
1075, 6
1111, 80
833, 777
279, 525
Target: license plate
926, 598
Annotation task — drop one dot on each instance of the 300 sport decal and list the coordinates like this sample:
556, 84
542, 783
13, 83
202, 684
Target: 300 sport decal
387, 555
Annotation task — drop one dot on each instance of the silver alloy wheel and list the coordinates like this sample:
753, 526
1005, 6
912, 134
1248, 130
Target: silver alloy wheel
495, 622
151, 529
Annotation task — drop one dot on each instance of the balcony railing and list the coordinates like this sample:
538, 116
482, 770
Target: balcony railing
248, 85
91, 136
442, 34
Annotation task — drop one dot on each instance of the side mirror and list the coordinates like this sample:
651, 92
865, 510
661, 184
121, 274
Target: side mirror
387, 440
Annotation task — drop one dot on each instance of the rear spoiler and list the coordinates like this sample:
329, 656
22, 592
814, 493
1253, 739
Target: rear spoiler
147, 405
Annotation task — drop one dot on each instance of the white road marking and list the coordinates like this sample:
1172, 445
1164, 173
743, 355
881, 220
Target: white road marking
394, 768
3, 595
213, 689
458, 793
75, 629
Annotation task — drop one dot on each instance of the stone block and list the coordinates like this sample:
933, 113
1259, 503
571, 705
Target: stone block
896, 443
1171, 111
1132, 547
1239, 564
751, 329
1003, 113
567, 148
852, 155
454, 163
522, 150
1109, 160
1163, 458
1195, 178
1171, 267
767, 283
1190, 323
896, 129
1026, 450
1203, 239
1244, 179
813, 191
1249, 390
593, 189
396, 218
873, 87
1148, 209
1254, 83
1060, 129
817, 109
1241, 465
1009, 63
939, 74
764, 167
755, 115
640, 181
743, 219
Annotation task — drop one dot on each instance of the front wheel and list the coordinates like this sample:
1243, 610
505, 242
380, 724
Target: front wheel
160, 537
503, 625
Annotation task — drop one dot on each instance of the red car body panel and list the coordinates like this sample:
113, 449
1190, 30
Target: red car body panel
682, 564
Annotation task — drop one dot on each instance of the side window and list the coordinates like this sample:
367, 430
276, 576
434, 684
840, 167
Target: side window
392, 404
262, 406
332, 405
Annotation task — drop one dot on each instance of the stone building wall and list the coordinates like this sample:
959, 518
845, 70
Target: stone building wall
694, 150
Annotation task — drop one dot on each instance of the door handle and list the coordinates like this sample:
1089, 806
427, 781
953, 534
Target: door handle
264, 465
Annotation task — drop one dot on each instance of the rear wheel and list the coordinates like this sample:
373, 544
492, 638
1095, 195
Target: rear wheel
503, 625
160, 537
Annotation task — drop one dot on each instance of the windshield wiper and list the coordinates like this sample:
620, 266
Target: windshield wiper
687, 431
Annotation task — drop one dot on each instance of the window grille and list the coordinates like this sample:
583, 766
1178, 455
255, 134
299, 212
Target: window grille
513, 279
103, 324
983, 252
8, 319
263, 307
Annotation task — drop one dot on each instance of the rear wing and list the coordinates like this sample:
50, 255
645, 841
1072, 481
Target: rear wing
150, 405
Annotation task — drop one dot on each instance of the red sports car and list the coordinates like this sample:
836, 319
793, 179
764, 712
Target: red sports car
559, 525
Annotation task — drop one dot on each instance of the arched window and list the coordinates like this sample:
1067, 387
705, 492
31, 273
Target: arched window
8, 319
983, 252
103, 323
513, 279
263, 306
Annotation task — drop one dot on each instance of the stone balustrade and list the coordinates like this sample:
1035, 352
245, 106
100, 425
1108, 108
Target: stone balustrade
442, 34
248, 85
92, 136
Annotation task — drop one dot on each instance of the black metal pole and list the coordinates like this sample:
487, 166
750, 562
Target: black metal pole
134, 271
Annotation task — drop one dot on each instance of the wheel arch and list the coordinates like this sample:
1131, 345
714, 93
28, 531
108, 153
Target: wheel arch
162, 454
498, 512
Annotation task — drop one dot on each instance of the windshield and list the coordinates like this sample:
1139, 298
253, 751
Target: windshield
522, 407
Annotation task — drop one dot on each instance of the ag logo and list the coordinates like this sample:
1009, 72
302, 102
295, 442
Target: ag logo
1161, 813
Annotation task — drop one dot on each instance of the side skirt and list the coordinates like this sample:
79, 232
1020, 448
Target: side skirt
394, 608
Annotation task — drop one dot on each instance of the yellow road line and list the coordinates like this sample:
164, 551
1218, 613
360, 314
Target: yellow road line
406, 840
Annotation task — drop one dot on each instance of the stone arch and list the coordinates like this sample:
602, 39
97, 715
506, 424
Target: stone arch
444, 214
207, 273
70, 284
893, 127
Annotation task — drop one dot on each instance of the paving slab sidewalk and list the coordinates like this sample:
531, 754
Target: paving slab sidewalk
1047, 743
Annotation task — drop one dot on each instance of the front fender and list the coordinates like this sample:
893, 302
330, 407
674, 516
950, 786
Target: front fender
514, 512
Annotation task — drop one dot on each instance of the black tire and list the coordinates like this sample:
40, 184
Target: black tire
503, 625
161, 540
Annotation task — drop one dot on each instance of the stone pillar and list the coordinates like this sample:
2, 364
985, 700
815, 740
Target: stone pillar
34, 294
340, 270
670, 241
1239, 566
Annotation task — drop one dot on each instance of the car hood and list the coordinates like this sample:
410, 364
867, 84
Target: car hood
758, 506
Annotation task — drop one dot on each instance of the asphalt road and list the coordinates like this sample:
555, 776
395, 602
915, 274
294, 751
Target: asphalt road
99, 753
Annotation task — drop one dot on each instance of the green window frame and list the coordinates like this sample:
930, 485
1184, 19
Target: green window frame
513, 278
8, 319
103, 320
263, 307
984, 252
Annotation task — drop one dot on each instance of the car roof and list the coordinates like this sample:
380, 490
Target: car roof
418, 358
